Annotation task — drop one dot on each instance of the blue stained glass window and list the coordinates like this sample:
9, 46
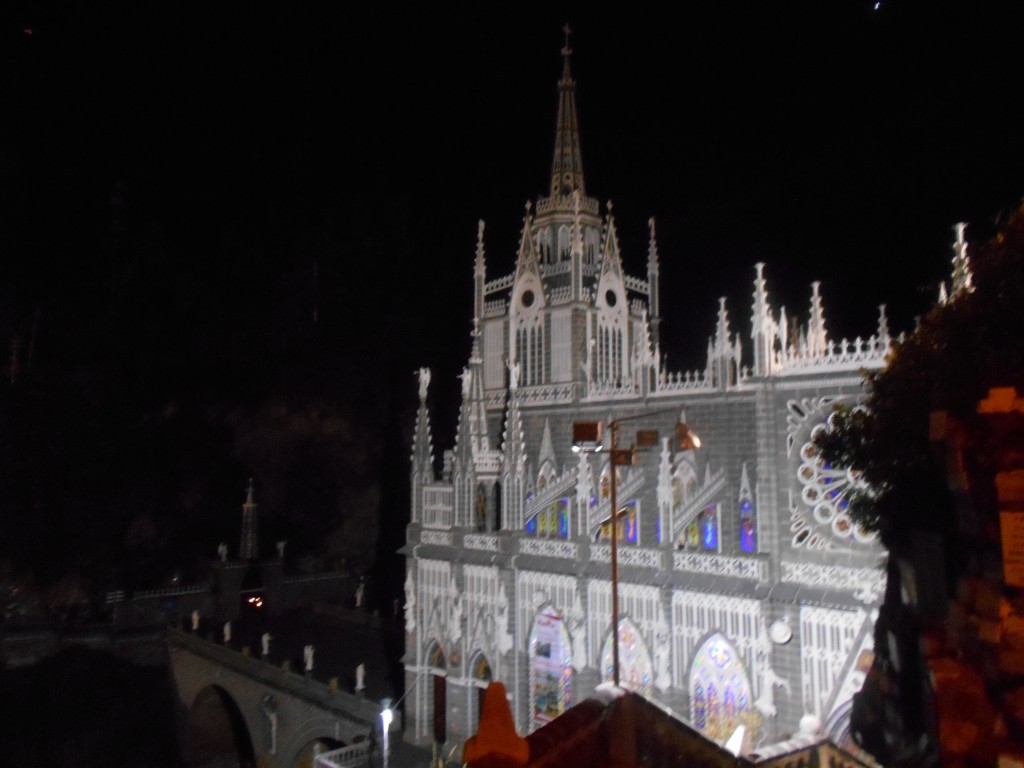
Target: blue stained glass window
563, 518
531, 525
748, 529
709, 527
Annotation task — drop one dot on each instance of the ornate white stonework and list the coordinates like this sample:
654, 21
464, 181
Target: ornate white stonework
721, 565
635, 556
440, 538
481, 541
521, 588
826, 640
865, 584
549, 548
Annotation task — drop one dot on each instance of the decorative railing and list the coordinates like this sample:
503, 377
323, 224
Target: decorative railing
704, 495
543, 394
601, 512
866, 584
639, 557
609, 391
839, 356
549, 548
169, 592
560, 295
688, 381
567, 203
636, 284
352, 756
559, 268
557, 489
439, 538
437, 506
481, 541
495, 308
499, 284
487, 462
751, 567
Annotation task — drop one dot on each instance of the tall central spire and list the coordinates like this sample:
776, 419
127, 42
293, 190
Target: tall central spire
567, 167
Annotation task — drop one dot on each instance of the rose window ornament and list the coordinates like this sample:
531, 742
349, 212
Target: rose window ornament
825, 491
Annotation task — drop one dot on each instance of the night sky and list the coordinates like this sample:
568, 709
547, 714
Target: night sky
228, 236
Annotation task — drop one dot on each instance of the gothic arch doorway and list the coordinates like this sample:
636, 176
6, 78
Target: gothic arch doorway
635, 668
720, 697
480, 677
438, 675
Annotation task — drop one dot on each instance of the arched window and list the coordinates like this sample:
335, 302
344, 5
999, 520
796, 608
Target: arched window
552, 521
480, 669
684, 483
563, 243
702, 532
606, 480
550, 668
748, 530
720, 699
635, 668
628, 522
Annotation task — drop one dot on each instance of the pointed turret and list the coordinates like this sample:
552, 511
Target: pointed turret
567, 166
653, 273
547, 449
479, 273
817, 337
513, 460
723, 352
422, 450
962, 278
762, 328
884, 339
249, 549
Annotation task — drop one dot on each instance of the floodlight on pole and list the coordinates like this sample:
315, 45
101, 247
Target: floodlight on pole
386, 716
588, 437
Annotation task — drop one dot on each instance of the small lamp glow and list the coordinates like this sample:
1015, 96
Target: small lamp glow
386, 716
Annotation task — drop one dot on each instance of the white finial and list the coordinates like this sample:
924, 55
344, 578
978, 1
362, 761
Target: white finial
424, 377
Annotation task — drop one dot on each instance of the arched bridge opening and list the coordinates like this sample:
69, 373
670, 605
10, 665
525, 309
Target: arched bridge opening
218, 736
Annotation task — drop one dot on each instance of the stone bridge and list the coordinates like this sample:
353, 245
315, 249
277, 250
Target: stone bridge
239, 710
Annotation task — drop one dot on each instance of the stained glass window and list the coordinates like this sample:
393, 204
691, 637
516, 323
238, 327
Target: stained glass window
553, 521
629, 523
550, 668
720, 691
748, 531
702, 531
606, 480
635, 668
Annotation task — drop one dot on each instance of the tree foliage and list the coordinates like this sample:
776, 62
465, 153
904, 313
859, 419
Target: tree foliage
960, 349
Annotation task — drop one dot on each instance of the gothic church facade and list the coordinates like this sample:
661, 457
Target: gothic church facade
746, 593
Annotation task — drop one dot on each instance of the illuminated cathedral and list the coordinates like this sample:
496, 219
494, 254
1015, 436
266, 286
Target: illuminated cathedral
746, 594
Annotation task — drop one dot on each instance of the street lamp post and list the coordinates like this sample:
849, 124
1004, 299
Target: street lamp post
588, 434
386, 716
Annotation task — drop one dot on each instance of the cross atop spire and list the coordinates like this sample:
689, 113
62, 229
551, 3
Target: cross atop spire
567, 167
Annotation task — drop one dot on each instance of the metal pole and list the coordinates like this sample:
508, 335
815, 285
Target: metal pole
385, 720
615, 557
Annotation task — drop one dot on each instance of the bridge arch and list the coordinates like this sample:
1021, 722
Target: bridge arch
217, 730
297, 749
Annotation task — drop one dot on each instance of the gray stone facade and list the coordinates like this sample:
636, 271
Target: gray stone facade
738, 551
